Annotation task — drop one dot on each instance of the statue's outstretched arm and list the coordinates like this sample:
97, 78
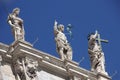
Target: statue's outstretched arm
93, 38
55, 25
96, 34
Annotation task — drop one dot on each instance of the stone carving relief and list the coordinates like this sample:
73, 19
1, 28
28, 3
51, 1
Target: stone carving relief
25, 69
19, 70
31, 67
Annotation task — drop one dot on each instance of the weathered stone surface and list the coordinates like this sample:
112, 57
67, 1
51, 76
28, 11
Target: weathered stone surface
49, 67
7, 73
42, 75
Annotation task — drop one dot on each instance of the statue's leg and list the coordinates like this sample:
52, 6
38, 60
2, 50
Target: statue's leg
15, 36
62, 56
92, 66
69, 55
94, 62
69, 52
102, 61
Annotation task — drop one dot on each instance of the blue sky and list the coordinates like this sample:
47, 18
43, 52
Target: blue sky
86, 16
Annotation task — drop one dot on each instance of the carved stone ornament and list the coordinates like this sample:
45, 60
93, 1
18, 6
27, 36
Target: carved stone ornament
26, 68
19, 69
31, 67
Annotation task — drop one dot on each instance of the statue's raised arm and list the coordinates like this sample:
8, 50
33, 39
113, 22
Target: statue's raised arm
96, 34
55, 28
55, 25
93, 37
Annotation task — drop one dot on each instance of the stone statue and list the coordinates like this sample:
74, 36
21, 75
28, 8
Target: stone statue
62, 46
96, 54
31, 68
19, 70
25, 69
16, 24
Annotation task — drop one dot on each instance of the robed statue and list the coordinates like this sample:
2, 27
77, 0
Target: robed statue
16, 24
96, 54
62, 46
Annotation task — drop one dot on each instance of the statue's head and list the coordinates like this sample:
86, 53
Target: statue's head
90, 35
61, 27
16, 11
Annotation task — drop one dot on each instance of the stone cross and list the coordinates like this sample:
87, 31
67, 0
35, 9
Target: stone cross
101, 40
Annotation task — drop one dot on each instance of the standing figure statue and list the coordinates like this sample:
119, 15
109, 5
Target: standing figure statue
96, 54
62, 46
25, 68
16, 24
19, 69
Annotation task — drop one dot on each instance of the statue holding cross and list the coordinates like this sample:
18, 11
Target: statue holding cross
95, 52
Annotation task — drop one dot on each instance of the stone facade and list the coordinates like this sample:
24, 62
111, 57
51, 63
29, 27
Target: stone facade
20, 61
